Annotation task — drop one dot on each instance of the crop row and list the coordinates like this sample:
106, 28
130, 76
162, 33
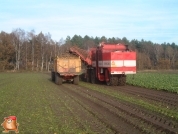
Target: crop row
132, 100
33, 98
158, 81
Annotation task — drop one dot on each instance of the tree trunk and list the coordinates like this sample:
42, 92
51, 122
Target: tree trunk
42, 61
32, 54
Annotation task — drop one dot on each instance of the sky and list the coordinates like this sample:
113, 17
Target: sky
151, 20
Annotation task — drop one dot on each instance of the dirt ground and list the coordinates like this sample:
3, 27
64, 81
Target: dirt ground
105, 114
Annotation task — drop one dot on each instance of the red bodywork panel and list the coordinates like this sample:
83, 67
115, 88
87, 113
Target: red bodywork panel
110, 58
117, 61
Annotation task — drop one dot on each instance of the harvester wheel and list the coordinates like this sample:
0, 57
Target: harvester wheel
88, 77
122, 80
82, 77
93, 77
113, 81
76, 80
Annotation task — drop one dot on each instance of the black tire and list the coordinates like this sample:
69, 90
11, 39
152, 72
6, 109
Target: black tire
113, 81
108, 83
53, 76
82, 77
94, 80
88, 78
122, 80
76, 80
57, 78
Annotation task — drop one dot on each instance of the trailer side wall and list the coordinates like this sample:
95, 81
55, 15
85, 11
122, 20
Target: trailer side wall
67, 65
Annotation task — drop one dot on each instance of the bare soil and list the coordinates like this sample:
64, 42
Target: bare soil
102, 113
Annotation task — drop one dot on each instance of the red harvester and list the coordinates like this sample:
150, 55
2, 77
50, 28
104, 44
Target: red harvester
107, 62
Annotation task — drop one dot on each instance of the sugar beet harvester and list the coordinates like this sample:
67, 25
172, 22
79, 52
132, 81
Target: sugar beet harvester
67, 67
107, 62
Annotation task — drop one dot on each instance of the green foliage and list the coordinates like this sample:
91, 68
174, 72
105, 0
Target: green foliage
77, 40
40, 106
158, 81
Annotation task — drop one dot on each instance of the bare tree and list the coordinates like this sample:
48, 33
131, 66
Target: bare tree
44, 41
6, 51
18, 39
31, 36
158, 50
171, 54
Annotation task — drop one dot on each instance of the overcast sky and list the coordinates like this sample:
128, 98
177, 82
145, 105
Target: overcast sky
151, 20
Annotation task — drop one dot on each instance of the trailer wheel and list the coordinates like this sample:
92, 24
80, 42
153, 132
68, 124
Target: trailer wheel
93, 77
57, 78
53, 76
76, 80
122, 80
60, 80
113, 81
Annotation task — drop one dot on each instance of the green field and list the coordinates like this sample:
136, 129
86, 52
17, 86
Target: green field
155, 80
39, 104
30, 97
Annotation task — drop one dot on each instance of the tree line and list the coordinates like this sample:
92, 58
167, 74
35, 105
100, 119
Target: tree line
21, 50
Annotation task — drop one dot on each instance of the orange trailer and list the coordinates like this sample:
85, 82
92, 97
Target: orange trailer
67, 67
